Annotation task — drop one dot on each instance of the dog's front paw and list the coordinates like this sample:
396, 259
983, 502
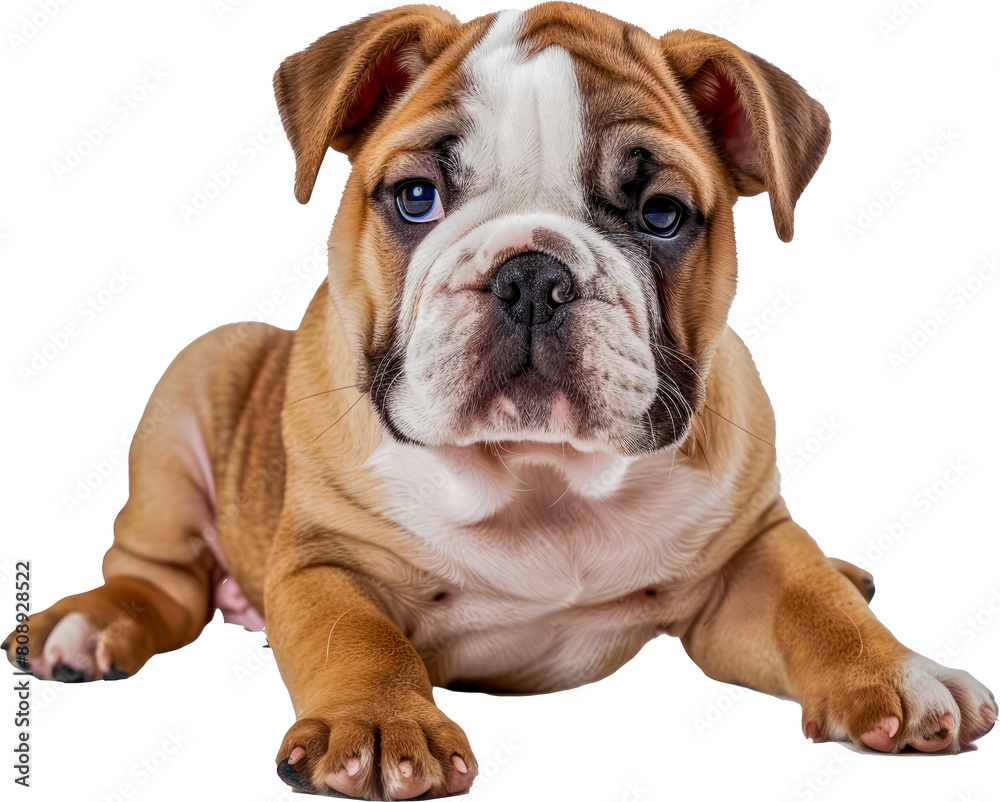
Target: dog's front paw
397, 747
918, 703
79, 639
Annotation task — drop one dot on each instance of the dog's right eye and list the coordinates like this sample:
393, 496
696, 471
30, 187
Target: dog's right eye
419, 202
662, 216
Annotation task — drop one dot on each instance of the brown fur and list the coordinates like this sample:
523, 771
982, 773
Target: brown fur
288, 428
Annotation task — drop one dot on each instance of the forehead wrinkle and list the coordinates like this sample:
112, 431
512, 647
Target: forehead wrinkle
624, 52
429, 109
626, 77
670, 152
410, 164
629, 96
417, 139
525, 134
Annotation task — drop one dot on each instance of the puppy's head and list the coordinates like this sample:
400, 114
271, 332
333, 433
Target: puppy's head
536, 241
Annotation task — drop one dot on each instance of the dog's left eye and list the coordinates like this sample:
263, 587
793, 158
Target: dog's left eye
662, 216
419, 202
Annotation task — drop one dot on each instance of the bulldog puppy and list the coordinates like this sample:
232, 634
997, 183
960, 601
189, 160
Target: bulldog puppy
513, 439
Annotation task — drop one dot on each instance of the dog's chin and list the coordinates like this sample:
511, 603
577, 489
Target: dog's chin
535, 444
561, 433
550, 444
524, 416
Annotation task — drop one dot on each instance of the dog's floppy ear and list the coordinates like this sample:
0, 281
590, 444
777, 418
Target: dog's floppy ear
331, 93
770, 133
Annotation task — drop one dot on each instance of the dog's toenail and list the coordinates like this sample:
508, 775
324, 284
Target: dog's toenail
353, 766
297, 754
406, 769
114, 674
288, 774
63, 672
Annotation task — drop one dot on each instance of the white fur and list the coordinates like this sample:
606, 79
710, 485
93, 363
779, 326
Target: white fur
926, 696
548, 559
526, 134
546, 550
521, 155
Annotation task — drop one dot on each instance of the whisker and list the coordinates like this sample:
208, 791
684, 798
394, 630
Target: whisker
738, 426
383, 368
673, 459
509, 470
325, 392
704, 447
680, 357
352, 406
560, 497
513, 453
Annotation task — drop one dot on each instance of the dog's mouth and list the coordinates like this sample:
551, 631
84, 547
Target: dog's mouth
535, 417
589, 378
521, 416
525, 408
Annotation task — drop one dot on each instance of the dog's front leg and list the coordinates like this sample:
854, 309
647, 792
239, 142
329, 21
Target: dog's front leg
784, 621
367, 725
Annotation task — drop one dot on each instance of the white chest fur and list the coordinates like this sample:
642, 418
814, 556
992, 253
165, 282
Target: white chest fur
547, 529
546, 555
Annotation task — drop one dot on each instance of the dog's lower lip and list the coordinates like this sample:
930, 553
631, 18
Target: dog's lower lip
530, 447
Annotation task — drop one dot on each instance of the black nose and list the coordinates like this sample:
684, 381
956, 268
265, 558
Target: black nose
532, 286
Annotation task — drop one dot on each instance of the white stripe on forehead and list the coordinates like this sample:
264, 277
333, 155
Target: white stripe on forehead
526, 135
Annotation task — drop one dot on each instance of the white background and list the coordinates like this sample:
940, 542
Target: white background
859, 438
